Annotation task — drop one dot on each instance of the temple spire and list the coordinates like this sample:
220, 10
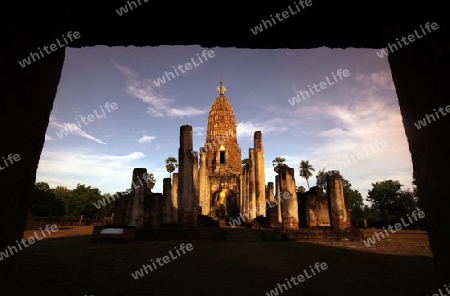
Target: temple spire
221, 89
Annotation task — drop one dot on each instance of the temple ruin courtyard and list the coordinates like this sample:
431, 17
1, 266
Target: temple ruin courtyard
69, 263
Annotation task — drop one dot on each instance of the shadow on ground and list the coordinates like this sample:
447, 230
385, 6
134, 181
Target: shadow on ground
76, 266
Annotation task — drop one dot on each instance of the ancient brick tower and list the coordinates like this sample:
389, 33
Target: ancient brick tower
223, 155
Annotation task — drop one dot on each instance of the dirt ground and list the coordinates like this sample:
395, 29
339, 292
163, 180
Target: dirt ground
69, 263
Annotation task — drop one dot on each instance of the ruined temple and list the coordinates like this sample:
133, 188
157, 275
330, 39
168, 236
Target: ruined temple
216, 183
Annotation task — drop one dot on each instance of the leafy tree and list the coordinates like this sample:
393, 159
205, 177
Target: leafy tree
305, 170
108, 209
171, 164
277, 163
151, 181
321, 180
354, 200
414, 188
63, 193
406, 202
370, 214
81, 201
301, 189
44, 202
390, 201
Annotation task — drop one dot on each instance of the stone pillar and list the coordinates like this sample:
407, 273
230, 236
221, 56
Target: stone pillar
246, 187
167, 201
174, 197
288, 198
156, 209
204, 196
241, 191
336, 203
196, 185
208, 194
278, 197
270, 191
137, 196
187, 206
260, 182
272, 207
251, 184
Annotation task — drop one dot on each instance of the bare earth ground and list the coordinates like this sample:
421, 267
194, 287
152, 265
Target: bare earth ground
68, 263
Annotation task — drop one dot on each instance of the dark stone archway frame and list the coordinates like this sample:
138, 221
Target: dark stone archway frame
419, 71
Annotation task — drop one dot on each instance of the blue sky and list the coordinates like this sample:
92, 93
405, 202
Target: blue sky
330, 126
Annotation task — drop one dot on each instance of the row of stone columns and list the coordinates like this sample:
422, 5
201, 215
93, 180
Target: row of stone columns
257, 201
188, 194
253, 188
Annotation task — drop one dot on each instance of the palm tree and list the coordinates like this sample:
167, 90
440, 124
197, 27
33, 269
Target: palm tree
277, 163
305, 170
171, 164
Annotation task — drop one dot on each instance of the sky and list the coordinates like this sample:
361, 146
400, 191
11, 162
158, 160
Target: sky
117, 118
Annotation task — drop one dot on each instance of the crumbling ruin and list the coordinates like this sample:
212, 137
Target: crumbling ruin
215, 182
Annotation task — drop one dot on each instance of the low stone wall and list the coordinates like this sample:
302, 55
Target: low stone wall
36, 222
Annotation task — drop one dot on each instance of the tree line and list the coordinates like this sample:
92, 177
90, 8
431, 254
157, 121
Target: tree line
388, 201
72, 203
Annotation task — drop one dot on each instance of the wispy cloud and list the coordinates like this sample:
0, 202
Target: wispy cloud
247, 129
354, 122
158, 105
146, 139
72, 128
124, 158
358, 128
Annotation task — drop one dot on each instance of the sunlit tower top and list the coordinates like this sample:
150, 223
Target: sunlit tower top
221, 137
